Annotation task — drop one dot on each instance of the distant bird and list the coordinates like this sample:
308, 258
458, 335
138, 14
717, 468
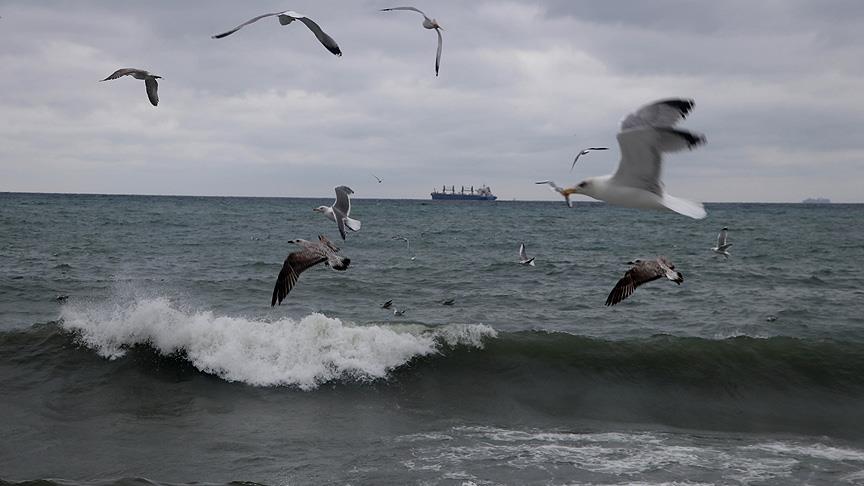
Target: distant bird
149, 81
583, 152
643, 271
523, 257
448, 302
286, 18
721, 247
340, 210
378, 178
429, 24
313, 253
644, 137
386, 305
566, 192
397, 312
405, 239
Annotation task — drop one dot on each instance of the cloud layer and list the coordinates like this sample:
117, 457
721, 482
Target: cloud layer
523, 86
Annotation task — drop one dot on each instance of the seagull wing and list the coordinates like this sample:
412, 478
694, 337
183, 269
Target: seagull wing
322, 36
152, 94
663, 113
721, 238
404, 8
124, 72
343, 201
641, 273
295, 264
577, 158
643, 138
438, 55
327, 243
244, 24
522, 255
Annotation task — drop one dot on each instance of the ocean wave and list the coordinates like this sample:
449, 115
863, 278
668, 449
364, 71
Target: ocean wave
303, 353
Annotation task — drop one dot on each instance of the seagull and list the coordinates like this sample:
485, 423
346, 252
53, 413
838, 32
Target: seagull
149, 81
643, 138
405, 239
721, 247
386, 305
397, 312
377, 178
313, 253
583, 152
286, 18
566, 192
523, 257
340, 210
448, 302
429, 24
640, 273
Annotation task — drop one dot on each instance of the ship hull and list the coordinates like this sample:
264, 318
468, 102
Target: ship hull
462, 197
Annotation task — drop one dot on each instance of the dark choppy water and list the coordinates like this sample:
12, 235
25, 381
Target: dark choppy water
166, 365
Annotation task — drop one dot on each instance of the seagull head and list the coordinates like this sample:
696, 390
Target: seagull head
587, 187
320, 209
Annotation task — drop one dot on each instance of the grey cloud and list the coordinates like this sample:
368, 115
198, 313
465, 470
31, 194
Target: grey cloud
523, 85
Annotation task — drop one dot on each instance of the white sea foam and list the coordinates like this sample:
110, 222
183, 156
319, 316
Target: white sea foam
305, 353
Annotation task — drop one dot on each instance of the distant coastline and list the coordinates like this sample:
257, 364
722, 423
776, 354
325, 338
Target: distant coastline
816, 200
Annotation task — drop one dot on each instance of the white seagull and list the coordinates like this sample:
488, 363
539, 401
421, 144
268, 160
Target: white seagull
286, 18
584, 152
297, 262
340, 211
429, 24
721, 247
564, 191
407, 243
640, 273
523, 257
644, 137
149, 81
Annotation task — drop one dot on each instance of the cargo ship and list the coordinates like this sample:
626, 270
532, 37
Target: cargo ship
483, 193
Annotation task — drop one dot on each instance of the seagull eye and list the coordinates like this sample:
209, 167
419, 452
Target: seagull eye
582, 184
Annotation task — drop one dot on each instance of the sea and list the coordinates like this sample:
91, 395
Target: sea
138, 346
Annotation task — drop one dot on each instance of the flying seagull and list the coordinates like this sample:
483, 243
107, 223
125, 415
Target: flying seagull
405, 239
386, 305
721, 247
644, 137
149, 81
397, 312
523, 257
340, 210
566, 192
286, 18
448, 302
313, 253
583, 152
377, 178
643, 271
429, 24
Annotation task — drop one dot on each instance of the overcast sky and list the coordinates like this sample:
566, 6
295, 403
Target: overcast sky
523, 86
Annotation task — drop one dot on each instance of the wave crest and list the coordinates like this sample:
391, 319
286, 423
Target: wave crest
305, 353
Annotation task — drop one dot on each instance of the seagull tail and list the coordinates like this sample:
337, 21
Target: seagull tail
352, 224
682, 206
531, 262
